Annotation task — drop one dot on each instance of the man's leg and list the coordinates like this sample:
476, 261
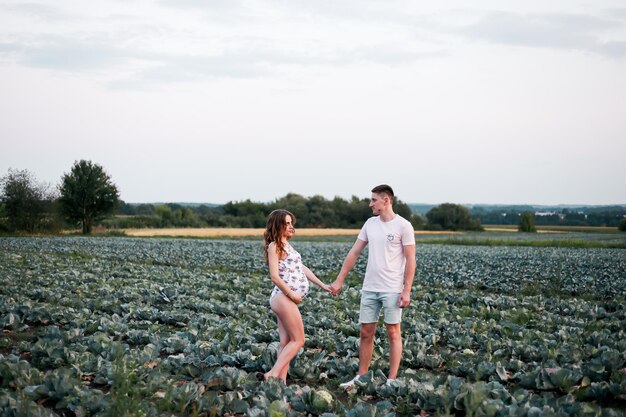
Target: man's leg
368, 330
393, 318
368, 317
395, 349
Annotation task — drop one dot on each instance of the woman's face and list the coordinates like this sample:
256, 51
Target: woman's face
288, 229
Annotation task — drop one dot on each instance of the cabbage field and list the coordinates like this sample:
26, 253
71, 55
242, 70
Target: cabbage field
96, 326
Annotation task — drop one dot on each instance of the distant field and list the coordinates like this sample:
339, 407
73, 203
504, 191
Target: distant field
237, 232
551, 229
228, 232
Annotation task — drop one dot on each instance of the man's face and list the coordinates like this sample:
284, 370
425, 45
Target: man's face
377, 203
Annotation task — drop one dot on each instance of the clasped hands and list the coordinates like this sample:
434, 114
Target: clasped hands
335, 288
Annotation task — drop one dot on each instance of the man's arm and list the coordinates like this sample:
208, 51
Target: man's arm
348, 264
409, 274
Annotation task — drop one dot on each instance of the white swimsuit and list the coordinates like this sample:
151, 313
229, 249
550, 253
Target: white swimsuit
291, 271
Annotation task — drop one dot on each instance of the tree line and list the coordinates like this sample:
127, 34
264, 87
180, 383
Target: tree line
310, 212
606, 216
318, 212
87, 197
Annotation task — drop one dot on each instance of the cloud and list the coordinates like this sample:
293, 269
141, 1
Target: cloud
618, 13
231, 39
36, 10
556, 31
213, 5
127, 49
614, 49
69, 55
243, 57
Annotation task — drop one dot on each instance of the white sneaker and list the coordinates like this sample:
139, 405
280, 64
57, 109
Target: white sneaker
390, 381
350, 384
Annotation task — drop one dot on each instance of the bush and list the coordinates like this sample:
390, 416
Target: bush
417, 221
452, 217
622, 225
26, 204
527, 222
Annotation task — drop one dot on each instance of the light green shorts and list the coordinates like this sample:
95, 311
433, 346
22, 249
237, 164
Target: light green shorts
372, 302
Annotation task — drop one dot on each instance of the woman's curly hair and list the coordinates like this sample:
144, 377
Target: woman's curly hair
274, 231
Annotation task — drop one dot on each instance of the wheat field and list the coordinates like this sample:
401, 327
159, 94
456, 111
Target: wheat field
242, 232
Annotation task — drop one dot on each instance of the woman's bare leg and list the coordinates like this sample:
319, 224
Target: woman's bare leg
291, 321
284, 339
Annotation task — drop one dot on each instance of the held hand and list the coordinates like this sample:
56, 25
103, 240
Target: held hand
404, 300
335, 288
327, 288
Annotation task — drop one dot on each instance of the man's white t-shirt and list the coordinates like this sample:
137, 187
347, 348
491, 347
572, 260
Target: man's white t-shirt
385, 260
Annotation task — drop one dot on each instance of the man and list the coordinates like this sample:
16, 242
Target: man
388, 278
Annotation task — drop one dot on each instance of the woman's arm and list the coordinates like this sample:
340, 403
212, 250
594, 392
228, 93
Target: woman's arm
272, 263
314, 279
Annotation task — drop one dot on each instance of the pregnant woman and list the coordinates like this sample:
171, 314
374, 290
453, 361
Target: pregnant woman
291, 279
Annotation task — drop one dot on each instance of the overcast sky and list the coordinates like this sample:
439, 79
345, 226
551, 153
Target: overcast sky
226, 100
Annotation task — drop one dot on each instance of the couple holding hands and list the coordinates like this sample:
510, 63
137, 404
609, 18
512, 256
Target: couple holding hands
387, 283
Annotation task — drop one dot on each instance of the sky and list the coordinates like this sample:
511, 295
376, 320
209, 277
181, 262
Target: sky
481, 102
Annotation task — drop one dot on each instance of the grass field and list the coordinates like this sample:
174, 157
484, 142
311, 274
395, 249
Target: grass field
554, 229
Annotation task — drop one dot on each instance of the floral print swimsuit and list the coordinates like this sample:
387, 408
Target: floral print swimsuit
291, 271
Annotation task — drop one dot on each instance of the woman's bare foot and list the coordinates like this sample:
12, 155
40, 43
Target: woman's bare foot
269, 375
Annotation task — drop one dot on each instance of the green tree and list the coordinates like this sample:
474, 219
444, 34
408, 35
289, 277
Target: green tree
450, 216
358, 212
165, 213
3, 226
622, 225
26, 202
527, 222
417, 221
296, 204
246, 213
87, 195
403, 209
321, 213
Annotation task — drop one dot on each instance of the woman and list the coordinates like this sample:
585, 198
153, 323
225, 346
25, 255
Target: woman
291, 279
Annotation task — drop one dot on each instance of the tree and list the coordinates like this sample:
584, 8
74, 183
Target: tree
622, 225
248, 213
321, 213
87, 195
358, 212
165, 214
26, 202
402, 209
527, 222
296, 204
450, 216
417, 221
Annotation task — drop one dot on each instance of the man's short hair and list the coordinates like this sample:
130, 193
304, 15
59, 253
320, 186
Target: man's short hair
384, 189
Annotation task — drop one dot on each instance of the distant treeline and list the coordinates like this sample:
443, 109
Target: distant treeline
87, 197
607, 216
319, 212
310, 212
